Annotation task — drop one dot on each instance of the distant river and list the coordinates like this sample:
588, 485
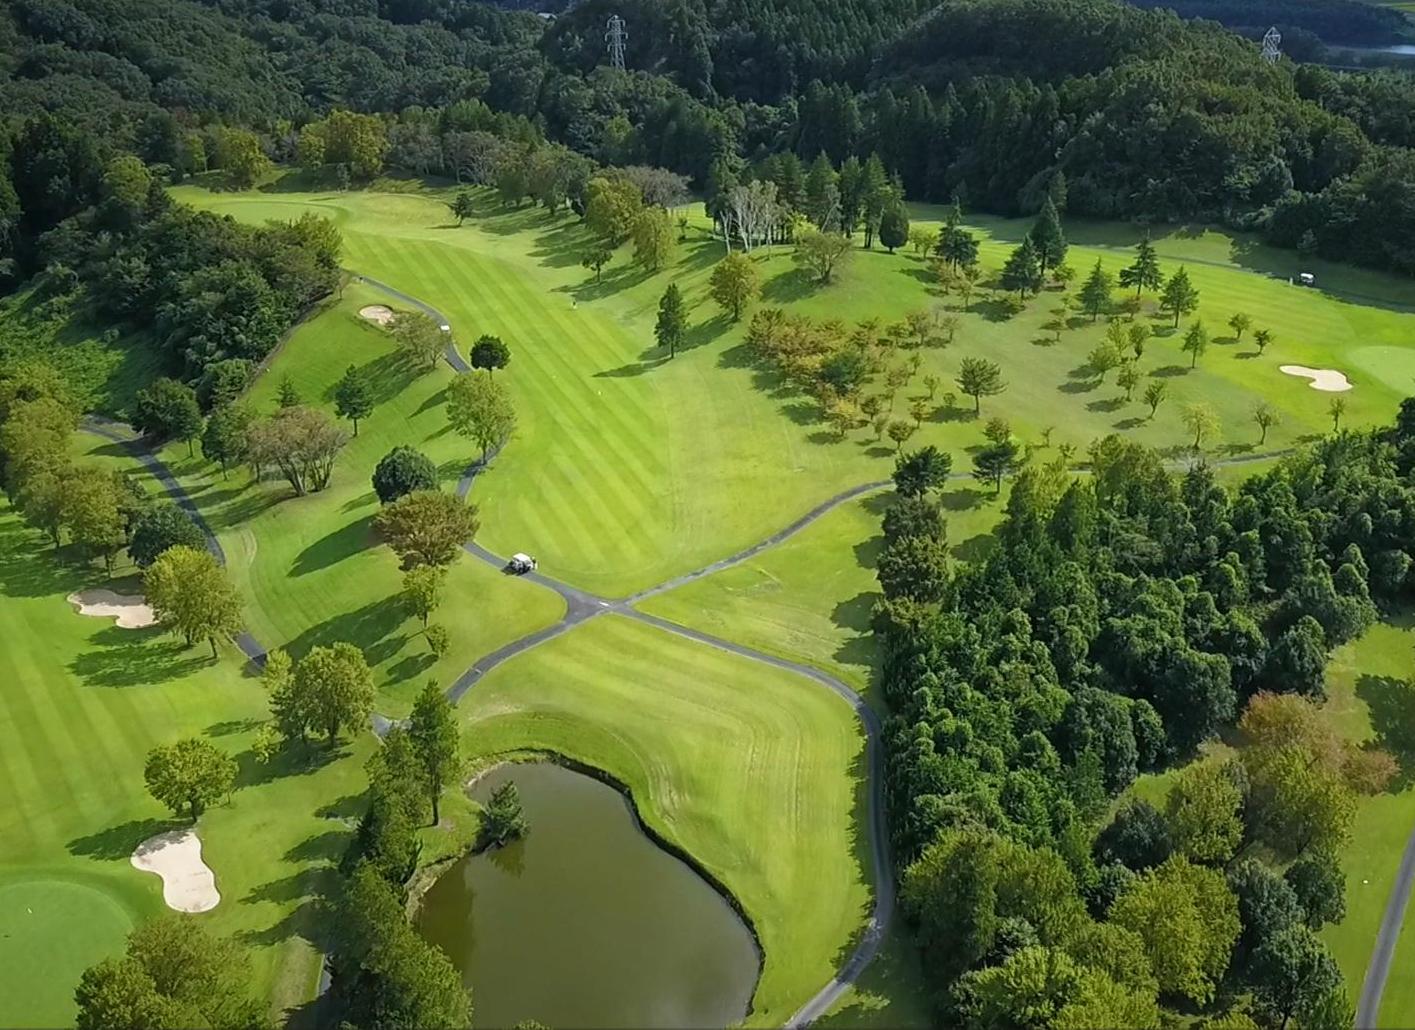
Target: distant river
587, 922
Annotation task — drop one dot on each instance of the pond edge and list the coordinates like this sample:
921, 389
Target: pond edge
427, 875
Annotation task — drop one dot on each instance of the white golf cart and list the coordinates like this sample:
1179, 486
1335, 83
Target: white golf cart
1306, 279
521, 563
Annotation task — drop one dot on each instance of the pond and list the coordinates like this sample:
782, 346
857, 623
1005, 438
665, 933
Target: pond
587, 921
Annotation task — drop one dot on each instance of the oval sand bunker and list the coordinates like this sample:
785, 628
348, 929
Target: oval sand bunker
131, 611
377, 313
1326, 379
188, 884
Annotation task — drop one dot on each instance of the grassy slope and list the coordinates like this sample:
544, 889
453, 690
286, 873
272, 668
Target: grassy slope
614, 438
311, 568
757, 773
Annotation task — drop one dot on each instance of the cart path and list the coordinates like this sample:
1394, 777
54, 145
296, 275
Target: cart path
582, 605
1368, 1007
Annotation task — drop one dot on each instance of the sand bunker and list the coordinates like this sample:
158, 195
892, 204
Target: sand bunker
188, 884
377, 313
131, 610
1326, 379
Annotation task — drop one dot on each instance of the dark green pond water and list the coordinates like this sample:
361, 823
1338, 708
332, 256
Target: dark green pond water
587, 922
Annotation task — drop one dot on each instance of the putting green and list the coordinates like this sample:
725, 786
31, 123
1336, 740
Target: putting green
1393, 366
51, 930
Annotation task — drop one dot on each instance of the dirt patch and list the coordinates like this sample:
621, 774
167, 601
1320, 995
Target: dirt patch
131, 610
377, 313
1328, 380
188, 884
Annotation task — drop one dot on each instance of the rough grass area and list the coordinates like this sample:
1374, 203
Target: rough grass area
105, 368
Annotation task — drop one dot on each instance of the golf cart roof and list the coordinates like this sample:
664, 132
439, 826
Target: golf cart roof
521, 559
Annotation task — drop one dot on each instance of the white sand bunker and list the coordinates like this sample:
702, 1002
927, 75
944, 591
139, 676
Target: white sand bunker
131, 610
377, 313
188, 884
1326, 379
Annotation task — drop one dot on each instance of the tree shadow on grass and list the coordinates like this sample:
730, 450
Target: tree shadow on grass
632, 369
707, 331
28, 571
1130, 423
962, 499
975, 548
1391, 702
291, 760
333, 548
788, 286
371, 627
413, 665
1170, 371
231, 727
386, 376
1109, 404
433, 400
119, 842
1078, 386
131, 658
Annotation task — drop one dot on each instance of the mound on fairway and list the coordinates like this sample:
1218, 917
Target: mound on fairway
131, 611
1328, 380
51, 930
757, 773
188, 884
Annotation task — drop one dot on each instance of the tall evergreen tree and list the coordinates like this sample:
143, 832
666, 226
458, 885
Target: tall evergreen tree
849, 183
822, 193
1144, 272
875, 194
672, 320
1048, 237
1095, 291
1023, 269
1179, 296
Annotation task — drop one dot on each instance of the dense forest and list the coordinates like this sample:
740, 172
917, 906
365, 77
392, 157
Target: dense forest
1333, 21
1124, 619
1149, 117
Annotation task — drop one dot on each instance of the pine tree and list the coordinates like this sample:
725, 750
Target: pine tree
1095, 291
352, 397
822, 193
1023, 270
1179, 296
672, 320
1047, 237
874, 197
849, 184
1144, 272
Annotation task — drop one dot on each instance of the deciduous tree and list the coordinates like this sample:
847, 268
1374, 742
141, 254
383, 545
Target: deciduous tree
820, 253
422, 590
333, 687
479, 408
490, 353
420, 339
189, 775
160, 526
735, 283
402, 471
191, 595
427, 527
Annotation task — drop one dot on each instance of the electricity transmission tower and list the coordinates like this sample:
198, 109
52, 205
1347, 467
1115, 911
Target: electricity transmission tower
1272, 40
616, 36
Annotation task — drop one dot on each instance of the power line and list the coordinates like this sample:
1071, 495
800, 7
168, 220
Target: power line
1272, 41
616, 35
